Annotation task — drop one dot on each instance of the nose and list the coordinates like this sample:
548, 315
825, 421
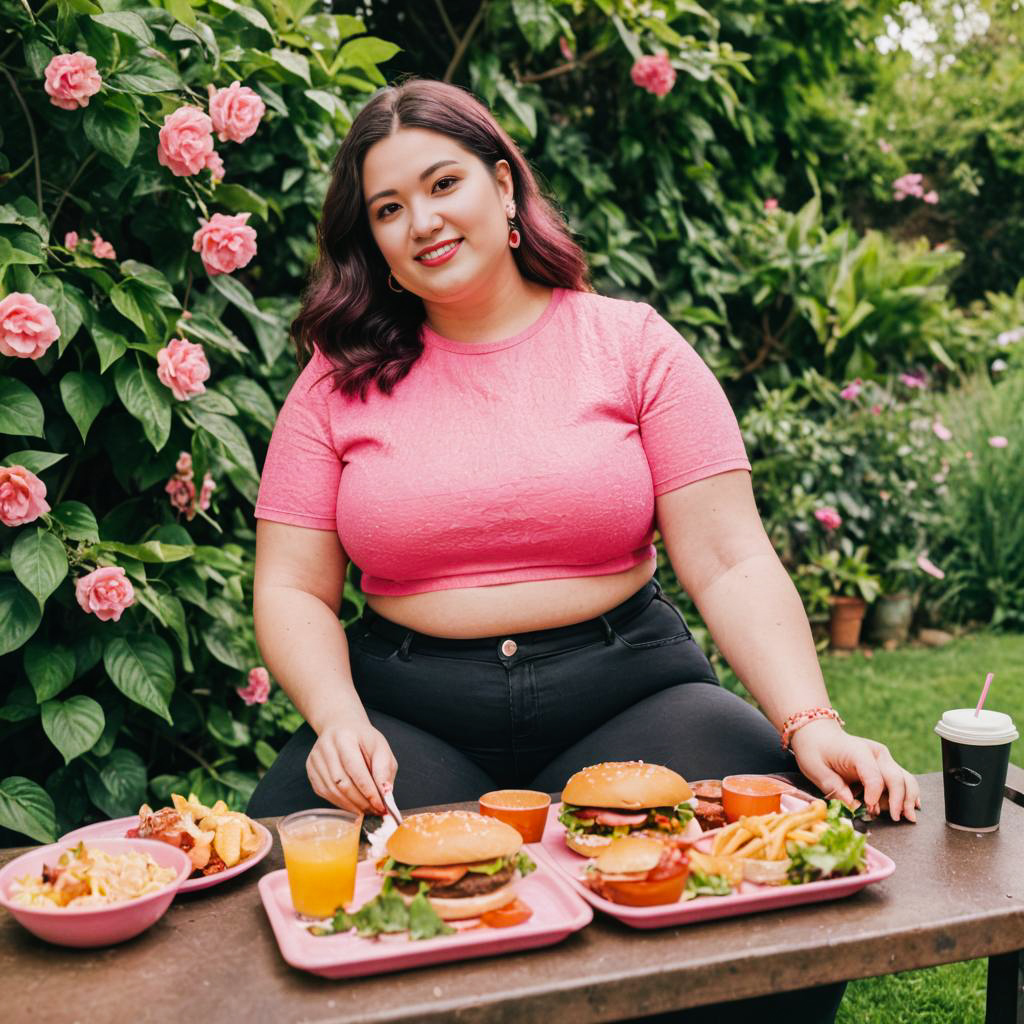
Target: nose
424, 221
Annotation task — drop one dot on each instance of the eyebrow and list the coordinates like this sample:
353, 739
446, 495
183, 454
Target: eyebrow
426, 174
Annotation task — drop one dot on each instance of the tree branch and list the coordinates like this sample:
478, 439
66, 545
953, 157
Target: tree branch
562, 69
449, 28
71, 184
460, 50
32, 136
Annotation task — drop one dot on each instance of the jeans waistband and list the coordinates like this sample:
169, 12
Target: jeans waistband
596, 628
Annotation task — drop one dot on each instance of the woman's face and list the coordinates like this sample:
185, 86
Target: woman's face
437, 213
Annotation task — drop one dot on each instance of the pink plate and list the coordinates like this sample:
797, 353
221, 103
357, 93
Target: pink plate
118, 827
749, 899
93, 926
557, 912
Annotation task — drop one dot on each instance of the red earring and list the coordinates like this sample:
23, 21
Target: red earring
514, 237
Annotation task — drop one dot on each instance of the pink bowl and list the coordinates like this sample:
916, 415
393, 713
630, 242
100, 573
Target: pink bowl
94, 926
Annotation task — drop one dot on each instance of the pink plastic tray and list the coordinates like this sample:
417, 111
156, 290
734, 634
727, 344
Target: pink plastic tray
557, 912
749, 899
118, 826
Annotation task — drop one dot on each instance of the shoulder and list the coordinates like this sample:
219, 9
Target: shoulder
607, 311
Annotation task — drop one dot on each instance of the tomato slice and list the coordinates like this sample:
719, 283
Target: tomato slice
442, 875
511, 914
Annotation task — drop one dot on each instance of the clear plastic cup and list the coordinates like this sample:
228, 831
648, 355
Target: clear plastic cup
321, 850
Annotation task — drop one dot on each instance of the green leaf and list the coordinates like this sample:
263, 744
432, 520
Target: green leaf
25, 807
149, 551
536, 21
142, 668
150, 76
114, 715
84, 395
182, 11
231, 437
20, 411
171, 614
65, 305
20, 705
73, 726
366, 51
78, 521
34, 462
134, 301
127, 24
50, 669
39, 561
294, 63
265, 753
227, 646
20, 247
118, 787
250, 14
146, 399
250, 398
239, 199
112, 124
238, 295
110, 345
224, 728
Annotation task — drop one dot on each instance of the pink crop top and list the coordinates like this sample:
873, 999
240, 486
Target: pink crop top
536, 457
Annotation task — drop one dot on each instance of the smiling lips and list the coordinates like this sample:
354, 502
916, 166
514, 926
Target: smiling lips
439, 253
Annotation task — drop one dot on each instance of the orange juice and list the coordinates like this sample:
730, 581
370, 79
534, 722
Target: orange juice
321, 850
524, 809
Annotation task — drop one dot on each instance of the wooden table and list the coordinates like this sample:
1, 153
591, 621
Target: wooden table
954, 896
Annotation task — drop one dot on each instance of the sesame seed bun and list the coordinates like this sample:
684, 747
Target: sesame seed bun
630, 785
452, 837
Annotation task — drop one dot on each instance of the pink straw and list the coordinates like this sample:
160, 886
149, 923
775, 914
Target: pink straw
984, 694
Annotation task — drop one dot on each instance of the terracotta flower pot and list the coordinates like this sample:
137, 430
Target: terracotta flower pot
847, 615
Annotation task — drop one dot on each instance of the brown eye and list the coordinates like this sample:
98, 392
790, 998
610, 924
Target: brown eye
440, 181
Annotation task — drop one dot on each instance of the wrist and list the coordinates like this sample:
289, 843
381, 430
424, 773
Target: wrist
812, 732
342, 714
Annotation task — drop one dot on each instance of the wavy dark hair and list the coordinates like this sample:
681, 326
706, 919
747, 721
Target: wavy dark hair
369, 332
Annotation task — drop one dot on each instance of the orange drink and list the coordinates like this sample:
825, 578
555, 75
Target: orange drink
751, 795
524, 809
321, 849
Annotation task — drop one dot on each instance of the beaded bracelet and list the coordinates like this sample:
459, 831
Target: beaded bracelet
800, 718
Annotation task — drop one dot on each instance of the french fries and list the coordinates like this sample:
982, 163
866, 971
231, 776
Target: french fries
764, 837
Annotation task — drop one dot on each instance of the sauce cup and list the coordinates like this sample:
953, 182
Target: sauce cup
751, 794
526, 810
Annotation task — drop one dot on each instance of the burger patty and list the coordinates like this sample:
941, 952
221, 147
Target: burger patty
473, 883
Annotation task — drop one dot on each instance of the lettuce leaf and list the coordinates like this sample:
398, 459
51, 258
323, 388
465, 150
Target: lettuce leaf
700, 884
838, 851
387, 913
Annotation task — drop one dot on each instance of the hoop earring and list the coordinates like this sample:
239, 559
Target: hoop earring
391, 283
514, 238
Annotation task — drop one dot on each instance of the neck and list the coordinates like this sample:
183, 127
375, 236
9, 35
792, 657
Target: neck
501, 308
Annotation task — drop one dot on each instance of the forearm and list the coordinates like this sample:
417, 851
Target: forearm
304, 645
758, 622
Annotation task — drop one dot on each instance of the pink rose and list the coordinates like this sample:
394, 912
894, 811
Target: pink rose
908, 185
236, 112
828, 517
771, 205
182, 367
27, 327
186, 141
183, 467
926, 565
215, 166
22, 496
655, 74
102, 249
71, 78
914, 380
105, 593
225, 243
941, 431
71, 240
998, 441
852, 390
182, 493
258, 689
206, 491
931, 197
876, 410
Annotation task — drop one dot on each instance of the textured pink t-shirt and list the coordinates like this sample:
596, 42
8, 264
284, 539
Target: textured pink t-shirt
536, 457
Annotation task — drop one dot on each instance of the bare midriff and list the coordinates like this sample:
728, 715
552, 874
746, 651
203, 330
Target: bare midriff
509, 608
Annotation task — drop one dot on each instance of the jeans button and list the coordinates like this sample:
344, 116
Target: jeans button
509, 647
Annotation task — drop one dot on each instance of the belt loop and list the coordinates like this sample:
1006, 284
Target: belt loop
403, 651
609, 635
654, 580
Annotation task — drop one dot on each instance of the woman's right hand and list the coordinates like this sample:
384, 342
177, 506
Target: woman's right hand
349, 763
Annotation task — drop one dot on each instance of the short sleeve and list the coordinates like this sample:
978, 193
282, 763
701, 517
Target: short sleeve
299, 485
687, 427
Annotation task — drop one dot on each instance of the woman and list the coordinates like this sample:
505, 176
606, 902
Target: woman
493, 445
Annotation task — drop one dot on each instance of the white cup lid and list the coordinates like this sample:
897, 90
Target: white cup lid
989, 729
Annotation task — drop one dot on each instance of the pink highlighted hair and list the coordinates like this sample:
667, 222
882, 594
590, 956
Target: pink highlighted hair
369, 332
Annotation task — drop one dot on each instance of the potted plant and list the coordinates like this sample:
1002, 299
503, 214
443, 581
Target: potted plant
852, 587
892, 613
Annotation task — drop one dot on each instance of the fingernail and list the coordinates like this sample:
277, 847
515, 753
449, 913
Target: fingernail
911, 816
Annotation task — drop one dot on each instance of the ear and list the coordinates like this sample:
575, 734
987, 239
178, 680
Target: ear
503, 180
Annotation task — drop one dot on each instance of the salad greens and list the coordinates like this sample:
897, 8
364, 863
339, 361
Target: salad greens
838, 851
700, 884
387, 912
665, 819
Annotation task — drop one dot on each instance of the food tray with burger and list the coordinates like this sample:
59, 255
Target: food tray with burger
453, 885
221, 843
628, 836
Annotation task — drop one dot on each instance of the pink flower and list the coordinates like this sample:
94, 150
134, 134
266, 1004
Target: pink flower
206, 491
914, 380
931, 197
22, 496
885, 147
215, 166
876, 410
71, 240
27, 327
105, 593
940, 247
183, 467
655, 74
771, 205
258, 689
182, 493
828, 517
224, 243
182, 366
998, 365
71, 78
998, 441
564, 48
941, 431
236, 112
908, 185
186, 141
968, 455
102, 249
926, 565
851, 391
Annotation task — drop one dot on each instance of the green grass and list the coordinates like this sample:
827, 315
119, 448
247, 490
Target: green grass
897, 697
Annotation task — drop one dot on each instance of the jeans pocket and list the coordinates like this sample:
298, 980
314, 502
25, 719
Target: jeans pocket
659, 624
365, 642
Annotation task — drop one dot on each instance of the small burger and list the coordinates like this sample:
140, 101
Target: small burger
619, 798
639, 871
469, 864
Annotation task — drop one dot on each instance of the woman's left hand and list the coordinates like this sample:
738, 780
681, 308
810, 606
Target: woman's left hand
832, 759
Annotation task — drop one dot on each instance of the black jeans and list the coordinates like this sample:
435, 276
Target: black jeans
530, 709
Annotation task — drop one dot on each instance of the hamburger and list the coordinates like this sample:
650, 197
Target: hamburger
468, 864
619, 798
639, 871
